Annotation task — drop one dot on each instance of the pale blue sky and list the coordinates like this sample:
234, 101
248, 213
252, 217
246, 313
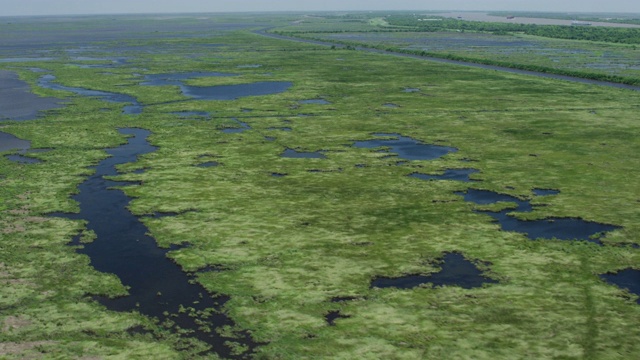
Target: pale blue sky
53, 7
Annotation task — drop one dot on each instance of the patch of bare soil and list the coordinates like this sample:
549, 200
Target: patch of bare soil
7, 278
14, 323
15, 348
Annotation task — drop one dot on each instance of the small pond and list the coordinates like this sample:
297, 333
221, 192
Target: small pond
627, 279
405, 147
549, 228
208, 164
243, 127
456, 271
291, 153
332, 316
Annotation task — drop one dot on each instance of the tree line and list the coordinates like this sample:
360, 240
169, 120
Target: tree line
604, 34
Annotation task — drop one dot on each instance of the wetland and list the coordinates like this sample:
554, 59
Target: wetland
270, 201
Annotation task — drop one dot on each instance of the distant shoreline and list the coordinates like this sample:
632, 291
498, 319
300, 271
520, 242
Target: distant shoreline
483, 16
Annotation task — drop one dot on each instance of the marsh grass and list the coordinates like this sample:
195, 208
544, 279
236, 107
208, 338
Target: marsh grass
283, 247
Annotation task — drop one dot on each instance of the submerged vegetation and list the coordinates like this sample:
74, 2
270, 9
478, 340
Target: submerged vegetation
269, 203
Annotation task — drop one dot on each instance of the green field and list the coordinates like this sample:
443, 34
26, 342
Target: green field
289, 245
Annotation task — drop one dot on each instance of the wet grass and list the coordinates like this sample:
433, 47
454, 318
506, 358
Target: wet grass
284, 247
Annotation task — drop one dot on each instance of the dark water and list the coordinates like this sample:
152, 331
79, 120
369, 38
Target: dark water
232, 92
456, 271
406, 147
390, 105
278, 175
17, 102
243, 127
332, 316
315, 101
450, 174
193, 114
209, 164
124, 248
11, 142
545, 192
46, 82
25, 59
21, 159
550, 228
627, 279
280, 128
218, 92
290, 153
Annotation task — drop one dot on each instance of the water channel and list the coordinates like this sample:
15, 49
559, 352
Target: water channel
157, 286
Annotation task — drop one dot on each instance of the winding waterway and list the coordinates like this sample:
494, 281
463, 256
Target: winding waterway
157, 286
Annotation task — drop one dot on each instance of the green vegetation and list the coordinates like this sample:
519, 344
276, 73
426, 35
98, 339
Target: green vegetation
623, 18
606, 54
606, 34
288, 245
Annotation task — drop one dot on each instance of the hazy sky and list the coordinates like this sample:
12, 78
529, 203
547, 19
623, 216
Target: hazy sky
48, 7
